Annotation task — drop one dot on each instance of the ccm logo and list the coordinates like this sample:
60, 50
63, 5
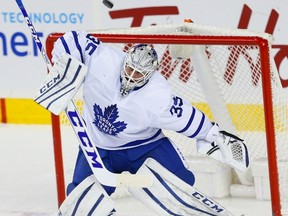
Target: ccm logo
83, 137
207, 202
49, 84
33, 31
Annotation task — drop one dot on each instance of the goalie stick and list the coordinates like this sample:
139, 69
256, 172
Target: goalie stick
91, 153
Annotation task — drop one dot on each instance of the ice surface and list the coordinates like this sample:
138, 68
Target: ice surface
28, 182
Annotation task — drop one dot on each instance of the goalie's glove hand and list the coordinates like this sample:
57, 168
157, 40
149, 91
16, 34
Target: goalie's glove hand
226, 148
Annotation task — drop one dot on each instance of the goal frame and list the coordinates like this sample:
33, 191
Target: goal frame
263, 45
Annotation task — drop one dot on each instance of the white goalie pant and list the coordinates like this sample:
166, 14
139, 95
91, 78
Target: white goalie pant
169, 195
88, 198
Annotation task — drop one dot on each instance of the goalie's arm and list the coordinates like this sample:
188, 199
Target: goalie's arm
182, 117
79, 44
71, 53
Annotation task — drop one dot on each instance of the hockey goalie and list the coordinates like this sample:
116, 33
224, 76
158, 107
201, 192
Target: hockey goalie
127, 104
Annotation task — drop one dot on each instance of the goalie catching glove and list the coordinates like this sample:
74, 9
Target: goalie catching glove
61, 84
224, 147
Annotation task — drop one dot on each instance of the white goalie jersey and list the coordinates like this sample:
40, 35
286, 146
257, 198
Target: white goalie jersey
117, 122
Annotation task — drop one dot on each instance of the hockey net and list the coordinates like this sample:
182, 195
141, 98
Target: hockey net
229, 75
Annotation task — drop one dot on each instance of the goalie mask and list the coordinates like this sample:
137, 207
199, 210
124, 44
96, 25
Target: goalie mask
140, 63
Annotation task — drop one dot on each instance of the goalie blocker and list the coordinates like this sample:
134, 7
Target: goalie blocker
61, 84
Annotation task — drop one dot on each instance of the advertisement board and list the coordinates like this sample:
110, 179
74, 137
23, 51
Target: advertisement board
23, 69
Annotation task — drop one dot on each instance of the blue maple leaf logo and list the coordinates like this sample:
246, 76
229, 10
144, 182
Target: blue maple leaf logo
106, 122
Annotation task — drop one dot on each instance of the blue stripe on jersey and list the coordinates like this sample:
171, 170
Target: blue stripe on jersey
179, 199
75, 35
199, 127
189, 122
65, 45
139, 142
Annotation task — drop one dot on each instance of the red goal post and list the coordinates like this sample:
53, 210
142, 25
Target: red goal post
249, 104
